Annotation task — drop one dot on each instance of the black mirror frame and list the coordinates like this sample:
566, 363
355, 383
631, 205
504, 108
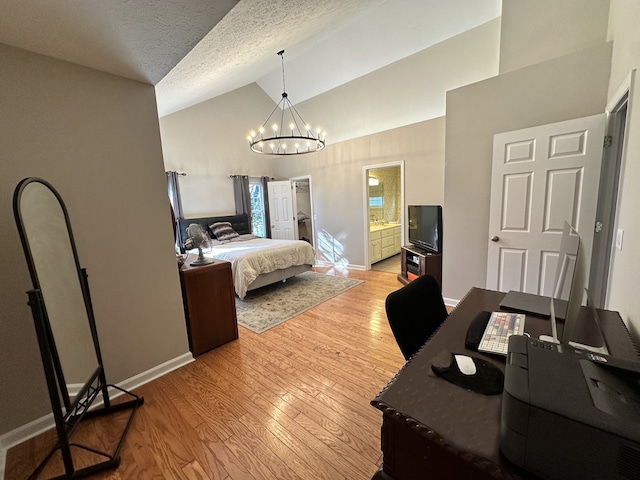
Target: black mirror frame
68, 412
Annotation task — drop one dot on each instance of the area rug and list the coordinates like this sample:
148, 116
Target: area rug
266, 307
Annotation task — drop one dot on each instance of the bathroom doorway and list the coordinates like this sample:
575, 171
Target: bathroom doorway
384, 207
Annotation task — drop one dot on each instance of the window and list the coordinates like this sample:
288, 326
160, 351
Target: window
256, 193
375, 201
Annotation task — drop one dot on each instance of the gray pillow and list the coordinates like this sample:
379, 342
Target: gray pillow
223, 231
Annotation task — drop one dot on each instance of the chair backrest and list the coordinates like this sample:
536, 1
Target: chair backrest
415, 312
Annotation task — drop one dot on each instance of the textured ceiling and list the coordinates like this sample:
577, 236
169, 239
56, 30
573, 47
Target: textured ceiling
194, 50
327, 43
138, 39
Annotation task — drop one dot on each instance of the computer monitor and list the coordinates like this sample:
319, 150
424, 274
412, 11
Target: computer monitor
566, 270
582, 323
582, 328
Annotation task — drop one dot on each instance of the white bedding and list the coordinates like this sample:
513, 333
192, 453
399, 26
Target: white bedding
250, 258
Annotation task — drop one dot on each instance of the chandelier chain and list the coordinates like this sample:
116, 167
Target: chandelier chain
284, 88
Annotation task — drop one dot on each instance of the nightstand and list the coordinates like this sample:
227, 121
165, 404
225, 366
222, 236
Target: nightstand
209, 305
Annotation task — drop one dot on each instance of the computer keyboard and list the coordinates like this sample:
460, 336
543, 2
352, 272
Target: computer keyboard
500, 327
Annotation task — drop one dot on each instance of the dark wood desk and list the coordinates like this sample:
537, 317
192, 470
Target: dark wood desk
432, 429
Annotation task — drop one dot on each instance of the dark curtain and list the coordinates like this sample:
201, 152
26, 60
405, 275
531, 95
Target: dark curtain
242, 196
265, 201
175, 200
173, 188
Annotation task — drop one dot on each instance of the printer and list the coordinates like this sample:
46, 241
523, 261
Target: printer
569, 413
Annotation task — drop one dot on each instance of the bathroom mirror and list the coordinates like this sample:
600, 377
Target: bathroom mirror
64, 322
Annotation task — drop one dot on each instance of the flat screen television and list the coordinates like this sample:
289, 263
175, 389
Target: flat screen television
425, 227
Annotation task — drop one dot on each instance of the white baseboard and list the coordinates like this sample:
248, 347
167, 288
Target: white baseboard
451, 302
42, 424
356, 267
324, 263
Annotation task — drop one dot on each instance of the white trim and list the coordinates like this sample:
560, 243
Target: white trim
622, 90
451, 302
626, 88
156, 372
42, 424
350, 266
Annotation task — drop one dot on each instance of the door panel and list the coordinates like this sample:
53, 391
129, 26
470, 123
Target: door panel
281, 208
516, 202
541, 177
513, 263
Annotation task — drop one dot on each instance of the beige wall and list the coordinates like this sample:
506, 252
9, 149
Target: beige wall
208, 143
625, 275
202, 142
568, 87
383, 117
338, 186
533, 32
408, 91
95, 137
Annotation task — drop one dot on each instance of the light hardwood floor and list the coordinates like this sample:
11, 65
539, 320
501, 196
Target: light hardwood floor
291, 403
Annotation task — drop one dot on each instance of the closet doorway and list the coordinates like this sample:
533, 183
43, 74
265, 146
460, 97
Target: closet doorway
304, 208
383, 187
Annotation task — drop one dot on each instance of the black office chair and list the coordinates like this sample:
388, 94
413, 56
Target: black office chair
415, 312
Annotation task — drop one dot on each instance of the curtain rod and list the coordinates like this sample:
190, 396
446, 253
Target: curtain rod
251, 176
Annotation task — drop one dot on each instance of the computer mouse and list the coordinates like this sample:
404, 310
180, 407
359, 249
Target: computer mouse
470, 373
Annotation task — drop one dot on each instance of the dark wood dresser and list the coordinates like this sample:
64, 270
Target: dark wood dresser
209, 305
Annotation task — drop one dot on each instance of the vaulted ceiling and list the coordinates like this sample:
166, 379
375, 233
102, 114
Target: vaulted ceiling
193, 50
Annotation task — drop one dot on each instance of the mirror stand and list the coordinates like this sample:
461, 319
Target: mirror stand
67, 336
69, 414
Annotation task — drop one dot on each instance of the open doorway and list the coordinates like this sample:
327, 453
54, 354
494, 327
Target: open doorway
383, 186
607, 228
304, 208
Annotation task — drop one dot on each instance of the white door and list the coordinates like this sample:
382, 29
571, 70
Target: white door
281, 210
541, 176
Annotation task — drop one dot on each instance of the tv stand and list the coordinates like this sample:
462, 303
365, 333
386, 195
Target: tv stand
416, 262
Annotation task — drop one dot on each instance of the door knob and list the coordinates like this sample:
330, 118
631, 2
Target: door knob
495, 238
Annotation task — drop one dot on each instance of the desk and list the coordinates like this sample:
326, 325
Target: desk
434, 429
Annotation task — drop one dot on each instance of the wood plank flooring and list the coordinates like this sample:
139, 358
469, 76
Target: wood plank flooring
291, 403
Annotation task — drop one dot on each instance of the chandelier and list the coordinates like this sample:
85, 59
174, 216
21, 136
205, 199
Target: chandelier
290, 136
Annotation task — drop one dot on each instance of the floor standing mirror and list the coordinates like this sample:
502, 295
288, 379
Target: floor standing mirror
66, 331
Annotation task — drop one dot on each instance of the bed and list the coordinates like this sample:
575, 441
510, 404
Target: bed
255, 262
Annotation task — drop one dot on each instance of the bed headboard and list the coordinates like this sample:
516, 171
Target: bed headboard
240, 224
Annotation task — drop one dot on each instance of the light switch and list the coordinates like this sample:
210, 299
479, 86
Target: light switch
619, 236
